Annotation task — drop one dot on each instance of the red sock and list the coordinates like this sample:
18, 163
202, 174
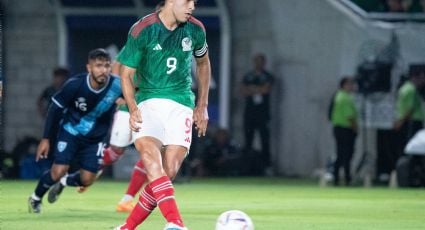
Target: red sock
138, 178
143, 208
110, 156
163, 191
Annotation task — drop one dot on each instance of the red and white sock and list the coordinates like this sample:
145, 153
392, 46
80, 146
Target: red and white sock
163, 191
138, 178
110, 156
143, 208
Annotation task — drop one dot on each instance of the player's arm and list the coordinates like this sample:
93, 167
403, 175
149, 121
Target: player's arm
116, 66
60, 101
127, 74
54, 115
200, 113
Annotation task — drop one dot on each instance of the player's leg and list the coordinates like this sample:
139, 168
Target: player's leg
173, 159
138, 178
348, 154
112, 154
120, 138
150, 149
339, 153
89, 158
47, 180
174, 156
149, 143
178, 137
64, 152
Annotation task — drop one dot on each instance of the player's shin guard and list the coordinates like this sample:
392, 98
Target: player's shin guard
110, 156
44, 184
143, 208
163, 191
138, 178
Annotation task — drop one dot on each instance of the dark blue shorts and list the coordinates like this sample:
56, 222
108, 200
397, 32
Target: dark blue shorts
69, 148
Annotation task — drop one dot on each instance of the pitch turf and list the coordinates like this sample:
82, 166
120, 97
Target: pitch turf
271, 203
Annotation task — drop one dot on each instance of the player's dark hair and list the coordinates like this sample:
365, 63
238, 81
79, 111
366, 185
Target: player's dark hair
61, 72
344, 80
159, 6
100, 54
415, 70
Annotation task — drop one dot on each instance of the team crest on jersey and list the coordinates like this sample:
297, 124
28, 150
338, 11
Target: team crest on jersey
61, 146
81, 104
187, 44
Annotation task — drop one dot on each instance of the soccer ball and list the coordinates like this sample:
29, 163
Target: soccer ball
234, 220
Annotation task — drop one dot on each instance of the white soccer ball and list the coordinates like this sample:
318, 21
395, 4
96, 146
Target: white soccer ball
234, 220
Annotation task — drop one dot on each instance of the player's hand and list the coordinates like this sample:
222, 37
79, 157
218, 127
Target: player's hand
135, 120
43, 149
200, 118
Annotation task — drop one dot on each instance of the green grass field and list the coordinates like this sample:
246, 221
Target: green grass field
271, 203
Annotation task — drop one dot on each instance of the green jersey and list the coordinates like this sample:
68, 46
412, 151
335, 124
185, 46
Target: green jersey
163, 58
408, 100
344, 109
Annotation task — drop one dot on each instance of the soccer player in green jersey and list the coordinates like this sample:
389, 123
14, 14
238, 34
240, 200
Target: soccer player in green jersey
159, 52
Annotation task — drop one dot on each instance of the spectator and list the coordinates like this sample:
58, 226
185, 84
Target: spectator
256, 88
396, 6
60, 75
410, 114
344, 121
414, 6
221, 156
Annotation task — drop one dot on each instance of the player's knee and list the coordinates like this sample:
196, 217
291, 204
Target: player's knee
86, 182
112, 154
171, 172
58, 172
118, 150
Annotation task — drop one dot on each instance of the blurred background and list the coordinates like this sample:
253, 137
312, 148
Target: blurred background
309, 46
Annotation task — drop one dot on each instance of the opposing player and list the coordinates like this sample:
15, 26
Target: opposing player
83, 108
159, 53
120, 138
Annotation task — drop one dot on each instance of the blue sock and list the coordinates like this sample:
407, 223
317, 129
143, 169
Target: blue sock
44, 184
74, 179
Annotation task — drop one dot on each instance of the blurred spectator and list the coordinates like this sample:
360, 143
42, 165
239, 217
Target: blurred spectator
256, 87
410, 114
60, 75
221, 156
416, 6
344, 121
396, 6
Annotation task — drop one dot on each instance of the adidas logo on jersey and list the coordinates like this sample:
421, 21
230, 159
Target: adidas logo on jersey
157, 47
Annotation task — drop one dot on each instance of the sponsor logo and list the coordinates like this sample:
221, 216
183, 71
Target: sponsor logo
187, 139
157, 47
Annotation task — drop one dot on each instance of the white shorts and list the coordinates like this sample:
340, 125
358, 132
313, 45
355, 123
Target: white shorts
121, 132
167, 121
